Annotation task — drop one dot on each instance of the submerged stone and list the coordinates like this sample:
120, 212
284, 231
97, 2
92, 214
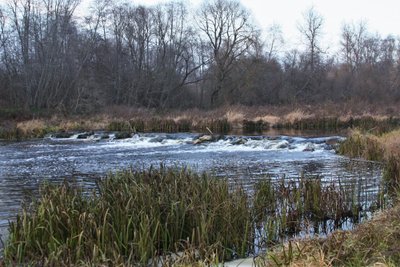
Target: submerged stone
62, 135
122, 135
207, 138
239, 141
85, 135
105, 136
332, 144
309, 148
283, 145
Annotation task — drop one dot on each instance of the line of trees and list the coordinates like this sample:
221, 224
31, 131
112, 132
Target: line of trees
168, 56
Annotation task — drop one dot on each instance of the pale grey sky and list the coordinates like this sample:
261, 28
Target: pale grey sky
381, 16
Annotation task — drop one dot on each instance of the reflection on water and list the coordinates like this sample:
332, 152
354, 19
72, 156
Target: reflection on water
243, 159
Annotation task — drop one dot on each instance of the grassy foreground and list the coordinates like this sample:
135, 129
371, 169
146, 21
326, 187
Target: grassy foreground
138, 218
374, 243
133, 218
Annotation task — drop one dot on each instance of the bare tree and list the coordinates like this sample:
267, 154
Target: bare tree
175, 58
138, 35
22, 15
229, 35
353, 40
274, 41
311, 29
47, 39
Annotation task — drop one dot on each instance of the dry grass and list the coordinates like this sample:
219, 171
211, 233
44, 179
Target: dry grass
374, 243
268, 113
328, 116
234, 116
391, 142
297, 115
271, 119
31, 125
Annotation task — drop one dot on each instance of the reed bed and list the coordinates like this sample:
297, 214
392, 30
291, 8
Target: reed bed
170, 215
384, 148
132, 218
366, 146
373, 243
224, 125
39, 128
289, 208
219, 123
368, 123
25, 130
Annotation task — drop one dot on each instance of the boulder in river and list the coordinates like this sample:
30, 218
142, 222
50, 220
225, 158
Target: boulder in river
283, 145
85, 135
309, 148
62, 135
207, 138
239, 141
104, 136
333, 143
122, 135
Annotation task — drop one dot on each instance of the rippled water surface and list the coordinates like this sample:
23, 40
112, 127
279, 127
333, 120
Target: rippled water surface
244, 159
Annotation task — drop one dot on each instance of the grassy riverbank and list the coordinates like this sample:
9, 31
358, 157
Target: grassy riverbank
373, 243
384, 147
222, 120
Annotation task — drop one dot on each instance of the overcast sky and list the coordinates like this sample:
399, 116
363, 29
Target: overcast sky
381, 16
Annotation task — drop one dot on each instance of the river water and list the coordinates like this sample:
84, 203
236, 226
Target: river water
243, 159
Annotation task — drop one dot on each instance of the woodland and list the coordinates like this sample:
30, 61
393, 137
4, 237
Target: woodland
170, 56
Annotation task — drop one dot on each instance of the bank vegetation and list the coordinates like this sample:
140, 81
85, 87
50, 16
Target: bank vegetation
373, 243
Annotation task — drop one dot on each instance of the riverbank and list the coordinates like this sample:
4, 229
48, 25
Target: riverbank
376, 242
237, 119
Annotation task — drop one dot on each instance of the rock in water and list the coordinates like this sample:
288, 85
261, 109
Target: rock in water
202, 139
122, 135
62, 135
85, 135
207, 138
309, 148
333, 143
239, 141
283, 145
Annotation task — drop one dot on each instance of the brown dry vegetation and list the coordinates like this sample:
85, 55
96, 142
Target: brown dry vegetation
319, 117
374, 243
391, 142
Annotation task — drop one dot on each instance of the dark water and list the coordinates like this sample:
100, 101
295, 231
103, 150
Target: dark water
244, 159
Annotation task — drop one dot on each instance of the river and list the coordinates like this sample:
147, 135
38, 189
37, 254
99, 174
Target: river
243, 159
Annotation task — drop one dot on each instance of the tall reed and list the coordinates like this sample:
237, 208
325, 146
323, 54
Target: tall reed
288, 207
134, 216
143, 217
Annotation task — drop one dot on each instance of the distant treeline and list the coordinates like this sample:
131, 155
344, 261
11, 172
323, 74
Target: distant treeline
170, 56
